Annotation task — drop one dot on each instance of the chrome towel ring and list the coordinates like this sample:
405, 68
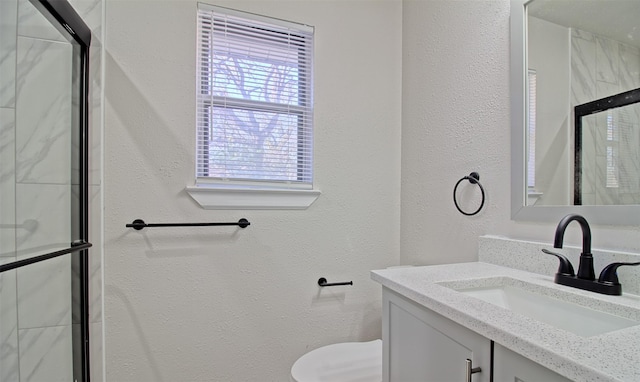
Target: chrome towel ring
473, 178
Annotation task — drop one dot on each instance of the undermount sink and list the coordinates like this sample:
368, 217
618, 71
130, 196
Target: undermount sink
543, 304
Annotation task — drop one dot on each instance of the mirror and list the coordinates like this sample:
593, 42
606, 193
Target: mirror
542, 42
607, 142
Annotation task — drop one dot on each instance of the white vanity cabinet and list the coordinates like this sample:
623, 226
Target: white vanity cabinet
510, 366
420, 345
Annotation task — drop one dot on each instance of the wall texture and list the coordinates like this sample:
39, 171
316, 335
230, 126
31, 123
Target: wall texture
455, 119
225, 304
549, 55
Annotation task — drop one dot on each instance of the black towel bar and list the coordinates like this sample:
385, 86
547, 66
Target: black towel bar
139, 224
76, 246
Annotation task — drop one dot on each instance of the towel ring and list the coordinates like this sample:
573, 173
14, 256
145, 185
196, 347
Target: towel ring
473, 178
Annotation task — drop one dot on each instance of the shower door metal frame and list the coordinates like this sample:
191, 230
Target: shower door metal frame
67, 21
611, 102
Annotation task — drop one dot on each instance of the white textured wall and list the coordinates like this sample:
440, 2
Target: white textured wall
455, 119
220, 304
225, 304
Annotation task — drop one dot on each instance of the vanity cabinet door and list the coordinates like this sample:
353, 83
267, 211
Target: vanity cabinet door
509, 366
421, 345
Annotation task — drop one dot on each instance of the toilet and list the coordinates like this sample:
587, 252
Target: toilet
342, 362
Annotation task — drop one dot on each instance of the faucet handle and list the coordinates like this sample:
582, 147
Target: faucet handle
565, 267
609, 273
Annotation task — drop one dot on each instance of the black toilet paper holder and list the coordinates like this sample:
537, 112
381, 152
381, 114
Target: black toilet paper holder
323, 282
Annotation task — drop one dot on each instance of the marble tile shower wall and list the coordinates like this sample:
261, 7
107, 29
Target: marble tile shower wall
35, 144
600, 68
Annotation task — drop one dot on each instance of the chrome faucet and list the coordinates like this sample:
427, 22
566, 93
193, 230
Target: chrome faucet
607, 283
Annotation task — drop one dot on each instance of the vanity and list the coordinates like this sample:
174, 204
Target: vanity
485, 322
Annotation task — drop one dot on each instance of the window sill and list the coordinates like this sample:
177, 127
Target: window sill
241, 198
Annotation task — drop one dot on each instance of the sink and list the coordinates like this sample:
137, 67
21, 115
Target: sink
548, 305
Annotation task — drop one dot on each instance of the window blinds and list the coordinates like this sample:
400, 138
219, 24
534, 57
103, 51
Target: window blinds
254, 98
622, 142
531, 130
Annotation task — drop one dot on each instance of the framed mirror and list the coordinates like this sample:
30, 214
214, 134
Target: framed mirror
558, 63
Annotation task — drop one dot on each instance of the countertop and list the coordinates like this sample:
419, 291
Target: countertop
613, 356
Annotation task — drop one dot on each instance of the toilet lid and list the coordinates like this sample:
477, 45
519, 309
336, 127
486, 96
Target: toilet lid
343, 362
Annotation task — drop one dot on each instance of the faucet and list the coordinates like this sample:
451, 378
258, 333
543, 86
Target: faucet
607, 282
585, 269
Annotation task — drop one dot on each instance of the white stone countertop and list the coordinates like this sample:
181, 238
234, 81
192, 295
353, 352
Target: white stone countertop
613, 356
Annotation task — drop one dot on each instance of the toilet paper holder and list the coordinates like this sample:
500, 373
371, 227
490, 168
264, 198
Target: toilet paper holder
323, 282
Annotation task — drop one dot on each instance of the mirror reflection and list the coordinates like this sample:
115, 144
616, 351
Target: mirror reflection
606, 151
580, 51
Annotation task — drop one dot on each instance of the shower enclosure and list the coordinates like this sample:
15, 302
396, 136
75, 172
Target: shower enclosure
44, 83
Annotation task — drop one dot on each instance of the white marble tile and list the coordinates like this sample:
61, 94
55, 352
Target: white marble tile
606, 60
629, 199
44, 294
31, 23
588, 199
7, 183
43, 117
600, 173
606, 89
90, 11
629, 159
583, 35
604, 195
49, 206
588, 152
9, 366
45, 354
8, 30
583, 68
95, 122
600, 131
629, 67
44, 289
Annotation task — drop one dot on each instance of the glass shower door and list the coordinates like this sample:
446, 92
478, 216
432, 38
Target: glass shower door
42, 194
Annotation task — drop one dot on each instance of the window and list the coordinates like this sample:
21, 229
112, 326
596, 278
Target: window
254, 102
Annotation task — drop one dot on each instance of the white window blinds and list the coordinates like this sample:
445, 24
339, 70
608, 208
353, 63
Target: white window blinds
531, 129
254, 99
